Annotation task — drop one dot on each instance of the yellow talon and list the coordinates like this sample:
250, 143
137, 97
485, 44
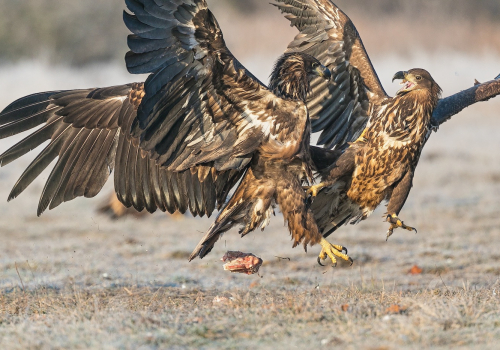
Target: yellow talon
395, 223
332, 251
312, 191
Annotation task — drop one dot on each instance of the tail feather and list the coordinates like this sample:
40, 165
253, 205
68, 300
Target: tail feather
332, 208
223, 223
250, 206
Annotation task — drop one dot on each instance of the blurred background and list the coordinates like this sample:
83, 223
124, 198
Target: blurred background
52, 44
84, 32
81, 37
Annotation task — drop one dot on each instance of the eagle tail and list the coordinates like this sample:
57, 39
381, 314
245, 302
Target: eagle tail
250, 206
332, 208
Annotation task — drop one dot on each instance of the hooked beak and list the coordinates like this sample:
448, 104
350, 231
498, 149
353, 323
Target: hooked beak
400, 75
323, 72
407, 84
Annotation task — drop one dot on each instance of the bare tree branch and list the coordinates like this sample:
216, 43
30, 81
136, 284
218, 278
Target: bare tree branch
453, 104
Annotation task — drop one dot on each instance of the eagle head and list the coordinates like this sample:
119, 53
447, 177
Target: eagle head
292, 74
417, 79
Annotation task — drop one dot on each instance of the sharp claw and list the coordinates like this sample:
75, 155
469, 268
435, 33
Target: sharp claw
395, 223
351, 261
332, 251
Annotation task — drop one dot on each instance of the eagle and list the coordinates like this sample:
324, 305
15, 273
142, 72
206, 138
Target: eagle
372, 142
199, 126
380, 164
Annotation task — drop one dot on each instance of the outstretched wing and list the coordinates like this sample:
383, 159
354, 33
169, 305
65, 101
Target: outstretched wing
179, 141
338, 108
82, 126
201, 107
87, 133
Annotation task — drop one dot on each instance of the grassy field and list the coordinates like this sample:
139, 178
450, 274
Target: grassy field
366, 317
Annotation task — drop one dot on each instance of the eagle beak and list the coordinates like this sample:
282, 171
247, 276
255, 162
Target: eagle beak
323, 72
400, 75
407, 84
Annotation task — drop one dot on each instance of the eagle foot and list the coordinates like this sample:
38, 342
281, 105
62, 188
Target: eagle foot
395, 223
312, 191
332, 251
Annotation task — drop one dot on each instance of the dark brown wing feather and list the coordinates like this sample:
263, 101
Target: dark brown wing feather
82, 126
200, 106
179, 141
86, 133
338, 108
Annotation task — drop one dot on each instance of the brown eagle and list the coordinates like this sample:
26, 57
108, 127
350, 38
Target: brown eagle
200, 125
372, 142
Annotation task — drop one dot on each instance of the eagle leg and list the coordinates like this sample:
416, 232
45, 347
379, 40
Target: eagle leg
312, 191
395, 223
332, 251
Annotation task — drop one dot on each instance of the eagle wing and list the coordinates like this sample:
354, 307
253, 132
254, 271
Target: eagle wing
82, 126
179, 141
200, 105
338, 108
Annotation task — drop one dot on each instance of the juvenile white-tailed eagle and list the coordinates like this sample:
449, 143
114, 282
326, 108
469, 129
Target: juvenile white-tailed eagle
376, 139
183, 139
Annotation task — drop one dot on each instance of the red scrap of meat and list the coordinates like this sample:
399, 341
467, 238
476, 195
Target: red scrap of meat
241, 262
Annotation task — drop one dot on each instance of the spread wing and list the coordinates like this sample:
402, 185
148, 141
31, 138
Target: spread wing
340, 108
87, 134
179, 141
200, 105
82, 126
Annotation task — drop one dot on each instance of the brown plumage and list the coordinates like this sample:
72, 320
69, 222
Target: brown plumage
279, 167
372, 142
381, 163
201, 124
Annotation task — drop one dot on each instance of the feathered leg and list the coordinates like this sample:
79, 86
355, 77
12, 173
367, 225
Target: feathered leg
344, 165
252, 205
396, 203
292, 201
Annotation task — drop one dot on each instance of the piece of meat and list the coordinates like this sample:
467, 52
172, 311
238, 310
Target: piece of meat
241, 262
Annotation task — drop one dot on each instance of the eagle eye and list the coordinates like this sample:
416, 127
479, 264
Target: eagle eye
314, 65
419, 77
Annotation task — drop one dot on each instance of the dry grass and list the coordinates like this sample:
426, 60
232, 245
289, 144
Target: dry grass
370, 316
